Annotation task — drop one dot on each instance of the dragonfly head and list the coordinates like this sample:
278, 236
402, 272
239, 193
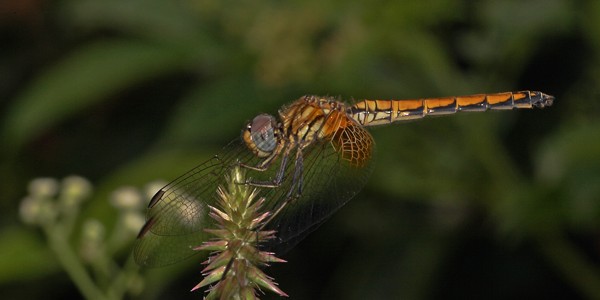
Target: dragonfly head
260, 135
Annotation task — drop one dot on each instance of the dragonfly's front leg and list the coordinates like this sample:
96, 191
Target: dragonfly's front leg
274, 183
263, 166
284, 150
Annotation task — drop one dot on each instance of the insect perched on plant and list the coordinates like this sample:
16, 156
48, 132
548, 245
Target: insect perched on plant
310, 161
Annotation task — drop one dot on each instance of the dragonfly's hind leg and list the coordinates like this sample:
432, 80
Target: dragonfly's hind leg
295, 189
297, 179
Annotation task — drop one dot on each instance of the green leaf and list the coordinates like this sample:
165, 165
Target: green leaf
83, 79
26, 256
162, 21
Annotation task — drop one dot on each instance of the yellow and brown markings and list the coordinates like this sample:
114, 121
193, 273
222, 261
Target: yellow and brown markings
312, 118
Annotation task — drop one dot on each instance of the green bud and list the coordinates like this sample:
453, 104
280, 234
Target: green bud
92, 240
93, 231
29, 210
75, 189
43, 187
126, 198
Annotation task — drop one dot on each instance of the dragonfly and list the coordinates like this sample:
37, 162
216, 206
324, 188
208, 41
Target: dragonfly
307, 163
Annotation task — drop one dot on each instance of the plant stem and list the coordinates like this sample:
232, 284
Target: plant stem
119, 285
72, 265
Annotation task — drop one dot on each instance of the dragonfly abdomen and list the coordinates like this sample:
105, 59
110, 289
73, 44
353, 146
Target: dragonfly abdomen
378, 112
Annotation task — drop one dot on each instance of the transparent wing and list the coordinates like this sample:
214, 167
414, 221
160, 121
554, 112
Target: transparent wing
330, 177
178, 213
333, 172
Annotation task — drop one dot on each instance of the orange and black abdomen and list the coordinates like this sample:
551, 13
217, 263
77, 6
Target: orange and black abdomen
378, 112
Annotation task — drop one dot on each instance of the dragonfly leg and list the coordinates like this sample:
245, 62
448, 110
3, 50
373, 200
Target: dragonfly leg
295, 190
262, 167
271, 183
297, 179
227, 268
279, 176
276, 212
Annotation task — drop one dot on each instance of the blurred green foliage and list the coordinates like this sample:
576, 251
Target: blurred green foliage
491, 205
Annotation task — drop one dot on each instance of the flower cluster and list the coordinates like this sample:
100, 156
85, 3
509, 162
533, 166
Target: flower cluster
234, 266
55, 207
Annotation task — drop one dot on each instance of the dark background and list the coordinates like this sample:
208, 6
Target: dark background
495, 205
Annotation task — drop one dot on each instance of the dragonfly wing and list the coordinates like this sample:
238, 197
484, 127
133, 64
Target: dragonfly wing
154, 250
333, 173
178, 214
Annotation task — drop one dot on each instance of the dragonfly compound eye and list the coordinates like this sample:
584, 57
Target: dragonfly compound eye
260, 135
